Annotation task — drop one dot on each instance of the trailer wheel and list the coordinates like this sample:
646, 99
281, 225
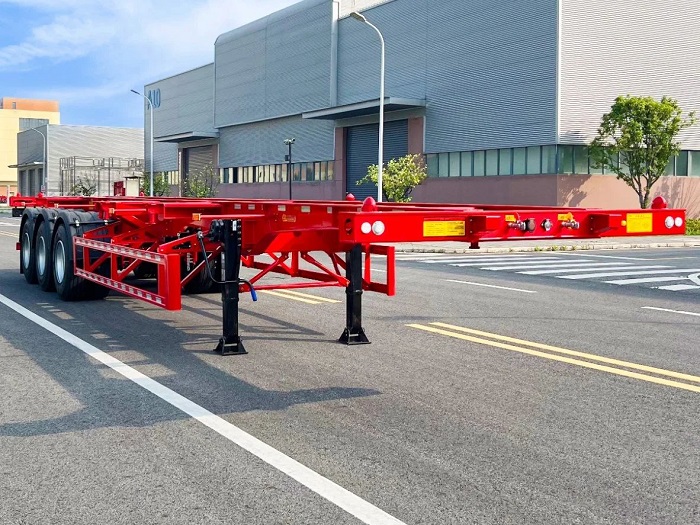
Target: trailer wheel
201, 283
68, 286
27, 253
43, 257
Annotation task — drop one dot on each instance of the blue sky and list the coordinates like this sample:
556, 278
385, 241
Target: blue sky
88, 54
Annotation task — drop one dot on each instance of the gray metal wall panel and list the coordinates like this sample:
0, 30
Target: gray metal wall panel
186, 103
261, 143
638, 47
276, 66
90, 141
487, 72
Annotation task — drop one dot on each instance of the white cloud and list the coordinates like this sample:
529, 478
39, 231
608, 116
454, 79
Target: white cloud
126, 43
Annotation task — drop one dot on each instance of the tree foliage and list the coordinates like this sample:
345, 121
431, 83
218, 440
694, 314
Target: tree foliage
399, 177
637, 139
201, 183
85, 186
161, 185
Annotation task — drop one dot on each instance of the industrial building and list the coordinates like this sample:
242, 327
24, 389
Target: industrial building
20, 114
73, 157
500, 97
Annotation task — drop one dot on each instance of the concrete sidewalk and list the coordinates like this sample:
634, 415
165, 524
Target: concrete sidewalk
609, 243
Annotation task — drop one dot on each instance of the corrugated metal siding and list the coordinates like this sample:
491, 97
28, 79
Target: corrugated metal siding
90, 141
487, 72
276, 66
637, 47
262, 142
348, 6
186, 105
362, 152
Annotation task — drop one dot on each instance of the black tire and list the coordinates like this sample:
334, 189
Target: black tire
201, 283
43, 256
27, 254
69, 287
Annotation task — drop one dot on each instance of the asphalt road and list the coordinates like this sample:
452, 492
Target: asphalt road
534, 400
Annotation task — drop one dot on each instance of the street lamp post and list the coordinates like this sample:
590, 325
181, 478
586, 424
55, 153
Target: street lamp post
288, 158
150, 110
380, 164
45, 185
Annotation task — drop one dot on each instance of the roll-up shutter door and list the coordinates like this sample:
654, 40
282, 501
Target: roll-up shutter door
196, 159
362, 148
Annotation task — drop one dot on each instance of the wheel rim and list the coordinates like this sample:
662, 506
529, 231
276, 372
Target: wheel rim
26, 250
41, 255
59, 262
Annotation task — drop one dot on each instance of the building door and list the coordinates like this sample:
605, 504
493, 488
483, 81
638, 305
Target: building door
362, 148
197, 160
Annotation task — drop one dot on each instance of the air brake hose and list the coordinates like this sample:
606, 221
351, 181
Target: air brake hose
253, 294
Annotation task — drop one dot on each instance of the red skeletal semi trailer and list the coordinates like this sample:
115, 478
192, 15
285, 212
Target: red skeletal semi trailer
83, 247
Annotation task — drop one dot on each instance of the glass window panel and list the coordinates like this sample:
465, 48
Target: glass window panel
479, 163
566, 159
581, 160
454, 165
431, 161
682, 164
443, 165
549, 159
694, 167
317, 171
492, 162
466, 161
324, 170
309, 171
283, 173
534, 160
519, 161
670, 166
505, 160
331, 169
296, 171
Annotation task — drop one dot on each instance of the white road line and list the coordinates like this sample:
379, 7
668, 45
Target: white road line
343, 498
678, 287
552, 266
670, 311
643, 280
9, 224
619, 266
519, 263
607, 256
622, 274
490, 286
487, 258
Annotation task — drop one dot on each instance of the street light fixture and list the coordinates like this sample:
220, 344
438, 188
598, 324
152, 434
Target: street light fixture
150, 109
288, 158
45, 185
380, 164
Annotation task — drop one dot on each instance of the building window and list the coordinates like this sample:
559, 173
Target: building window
466, 161
565, 159
443, 165
549, 159
519, 161
455, 165
534, 160
491, 162
479, 163
505, 161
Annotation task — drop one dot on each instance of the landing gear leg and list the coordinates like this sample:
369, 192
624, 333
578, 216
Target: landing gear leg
230, 343
354, 334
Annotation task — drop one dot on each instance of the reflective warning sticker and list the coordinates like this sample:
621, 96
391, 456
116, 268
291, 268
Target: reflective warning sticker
565, 216
511, 218
444, 228
639, 223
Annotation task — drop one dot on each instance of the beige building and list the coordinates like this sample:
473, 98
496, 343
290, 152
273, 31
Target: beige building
19, 114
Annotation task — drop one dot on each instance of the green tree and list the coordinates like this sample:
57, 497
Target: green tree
85, 186
161, 185
201, 183
399, 177
637, 139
